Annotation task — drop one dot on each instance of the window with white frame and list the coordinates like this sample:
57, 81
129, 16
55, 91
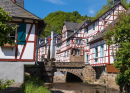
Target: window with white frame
94, 26
96, 52
79, 41
102, 51
12, 35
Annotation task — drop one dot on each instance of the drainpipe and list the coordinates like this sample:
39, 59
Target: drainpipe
37, 46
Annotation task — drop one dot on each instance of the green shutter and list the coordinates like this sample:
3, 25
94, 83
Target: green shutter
21, 34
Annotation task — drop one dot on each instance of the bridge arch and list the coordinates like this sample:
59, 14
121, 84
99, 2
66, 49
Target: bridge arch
76, 72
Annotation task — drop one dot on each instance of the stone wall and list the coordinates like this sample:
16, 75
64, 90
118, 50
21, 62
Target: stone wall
89, 74
108, 80
76, 58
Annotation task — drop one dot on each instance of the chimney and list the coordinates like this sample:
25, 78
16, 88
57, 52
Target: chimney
116, 1
19, 2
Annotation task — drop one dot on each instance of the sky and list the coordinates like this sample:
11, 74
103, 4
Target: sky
42, 8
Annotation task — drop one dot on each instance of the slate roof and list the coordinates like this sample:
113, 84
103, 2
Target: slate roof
105, 30
76, 26
16, 11
70, 25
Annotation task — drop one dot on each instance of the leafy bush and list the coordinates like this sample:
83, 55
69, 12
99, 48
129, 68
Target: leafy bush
5, 83
33, 85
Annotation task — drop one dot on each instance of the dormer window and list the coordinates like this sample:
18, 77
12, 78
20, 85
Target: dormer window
94, 26
86, 30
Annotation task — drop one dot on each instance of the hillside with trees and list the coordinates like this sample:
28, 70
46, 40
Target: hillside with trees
56, 19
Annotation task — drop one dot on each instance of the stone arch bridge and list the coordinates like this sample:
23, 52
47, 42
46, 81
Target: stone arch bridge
45, 71
79, 69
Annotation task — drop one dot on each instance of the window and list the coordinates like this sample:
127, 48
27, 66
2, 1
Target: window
94, 26
105, 22
77, 52
86, 30
87, 58
68, 53
68, 42
102, 51
86, 42
96, 52
64, 54
12, 35
79, 41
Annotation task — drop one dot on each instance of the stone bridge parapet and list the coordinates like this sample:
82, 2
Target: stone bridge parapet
69, 64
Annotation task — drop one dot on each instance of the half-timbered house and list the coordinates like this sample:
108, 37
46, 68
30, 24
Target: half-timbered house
70, 48
14, 57
96, 53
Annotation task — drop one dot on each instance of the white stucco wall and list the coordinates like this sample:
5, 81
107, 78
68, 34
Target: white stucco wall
13, 70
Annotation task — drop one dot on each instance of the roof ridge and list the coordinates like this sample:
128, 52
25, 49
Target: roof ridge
24, 9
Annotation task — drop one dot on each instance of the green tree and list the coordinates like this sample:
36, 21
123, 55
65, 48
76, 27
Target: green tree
5, 29
55, 21
119, 35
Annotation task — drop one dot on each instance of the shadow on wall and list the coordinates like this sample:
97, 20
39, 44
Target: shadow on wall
9, 51
72, 78
99, 71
